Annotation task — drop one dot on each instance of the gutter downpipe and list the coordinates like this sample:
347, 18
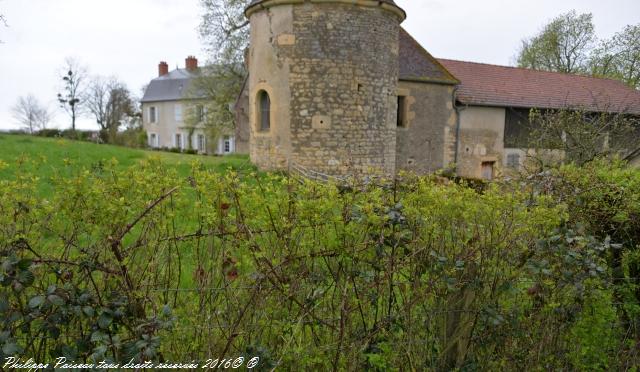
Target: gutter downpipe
458, 110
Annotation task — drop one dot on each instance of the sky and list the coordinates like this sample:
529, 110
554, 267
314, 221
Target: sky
127, 38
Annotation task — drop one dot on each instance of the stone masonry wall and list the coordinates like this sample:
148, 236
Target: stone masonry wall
427, 142
481, 140
343, 82
271, 45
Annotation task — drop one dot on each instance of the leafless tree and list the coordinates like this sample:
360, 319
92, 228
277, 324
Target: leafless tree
111, 104
583, 135
224, 30
74, 77
3, 22
30, 114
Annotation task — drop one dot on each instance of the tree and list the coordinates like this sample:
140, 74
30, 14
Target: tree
73, 77
563, 45
31, 114
583, 136
619, 57
110, 102
3, 22
221, 85
225, 31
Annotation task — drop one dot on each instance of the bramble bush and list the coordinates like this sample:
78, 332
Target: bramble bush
408, 274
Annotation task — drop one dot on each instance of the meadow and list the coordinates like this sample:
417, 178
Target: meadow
115, 254
47, 156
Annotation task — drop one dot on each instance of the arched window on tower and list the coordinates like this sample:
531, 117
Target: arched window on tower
264, 111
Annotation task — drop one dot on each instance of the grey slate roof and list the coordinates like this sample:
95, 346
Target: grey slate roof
173, 86
416, 64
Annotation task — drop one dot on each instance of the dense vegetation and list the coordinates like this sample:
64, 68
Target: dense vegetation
158, 262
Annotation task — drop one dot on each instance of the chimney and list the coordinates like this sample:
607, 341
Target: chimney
163, 69
191, 63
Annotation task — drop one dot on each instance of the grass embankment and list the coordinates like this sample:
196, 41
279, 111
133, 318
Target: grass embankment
48, 156
51, 157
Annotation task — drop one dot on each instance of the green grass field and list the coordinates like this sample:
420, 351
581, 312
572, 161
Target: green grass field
53, 154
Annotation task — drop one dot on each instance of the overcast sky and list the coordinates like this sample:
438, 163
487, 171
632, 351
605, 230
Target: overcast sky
127, 38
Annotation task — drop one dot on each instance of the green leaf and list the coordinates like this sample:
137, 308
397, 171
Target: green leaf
11, 348
88, 311
104, 321
98, 336
98, 352
9, 262
26, 277
36, 301
4, 304
54, 332
24, 264
56, 300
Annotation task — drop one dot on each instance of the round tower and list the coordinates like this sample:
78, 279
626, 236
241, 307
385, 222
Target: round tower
323, 78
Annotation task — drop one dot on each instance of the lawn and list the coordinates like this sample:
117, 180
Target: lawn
49, 155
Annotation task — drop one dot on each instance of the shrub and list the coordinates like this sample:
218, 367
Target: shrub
416, 274
50, 133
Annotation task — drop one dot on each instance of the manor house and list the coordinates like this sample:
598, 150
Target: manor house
338, 86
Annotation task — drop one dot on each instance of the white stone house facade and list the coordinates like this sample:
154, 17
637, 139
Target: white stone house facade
167, 101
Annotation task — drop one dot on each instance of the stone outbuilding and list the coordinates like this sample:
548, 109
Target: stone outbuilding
339, 87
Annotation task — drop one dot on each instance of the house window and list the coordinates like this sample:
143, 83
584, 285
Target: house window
227, 145
264, 111
487, 170
153, 114
402, 112
178, 141
513, 160
178, 113
153, 140
202, 143
200, 113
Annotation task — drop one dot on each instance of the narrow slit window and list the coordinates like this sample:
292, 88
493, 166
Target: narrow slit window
402, 112
264, 105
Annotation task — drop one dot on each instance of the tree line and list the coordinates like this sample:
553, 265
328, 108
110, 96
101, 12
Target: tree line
569, 44
107, 100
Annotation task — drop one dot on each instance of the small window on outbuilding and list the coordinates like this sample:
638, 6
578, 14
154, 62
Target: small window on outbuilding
264, 111
402, 112
513, 160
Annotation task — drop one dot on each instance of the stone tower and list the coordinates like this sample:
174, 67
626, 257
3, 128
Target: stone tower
323, 79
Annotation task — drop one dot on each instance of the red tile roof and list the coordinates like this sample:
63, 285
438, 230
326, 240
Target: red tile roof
491, 85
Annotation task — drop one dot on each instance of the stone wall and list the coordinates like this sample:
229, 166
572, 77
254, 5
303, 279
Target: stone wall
242, 127
481, 140
331, 70
427, 142
269, 71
